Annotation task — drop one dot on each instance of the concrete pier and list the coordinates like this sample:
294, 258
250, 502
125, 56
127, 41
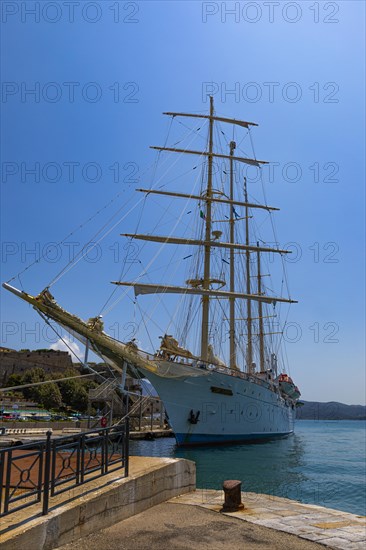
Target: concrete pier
328, 527
194, 521
97, 504
181, 527
158, 507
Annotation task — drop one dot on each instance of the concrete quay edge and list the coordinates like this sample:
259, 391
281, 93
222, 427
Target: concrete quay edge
98, 504
332, 528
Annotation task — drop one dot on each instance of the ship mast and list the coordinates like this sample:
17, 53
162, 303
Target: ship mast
247, 273
118, 352
232, 264
207, 259
260, 312
204, 285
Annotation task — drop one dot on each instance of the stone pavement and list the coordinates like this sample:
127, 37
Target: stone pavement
332, 528
114, 513
193, 521
181, 527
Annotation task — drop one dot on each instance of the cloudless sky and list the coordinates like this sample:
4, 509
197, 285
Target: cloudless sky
102, 74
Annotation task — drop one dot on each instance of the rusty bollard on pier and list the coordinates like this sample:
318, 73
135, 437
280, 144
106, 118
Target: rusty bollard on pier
232, 492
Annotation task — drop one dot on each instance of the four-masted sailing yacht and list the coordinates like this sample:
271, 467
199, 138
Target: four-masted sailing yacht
208, 400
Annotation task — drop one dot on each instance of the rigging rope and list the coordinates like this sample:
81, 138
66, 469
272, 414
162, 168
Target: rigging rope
67, 345
52, 381
157, 254
82, 253
67, 236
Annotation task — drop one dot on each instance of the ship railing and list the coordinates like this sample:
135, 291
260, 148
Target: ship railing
198, 363
244, 376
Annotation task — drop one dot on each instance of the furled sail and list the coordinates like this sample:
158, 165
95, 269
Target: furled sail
141, 288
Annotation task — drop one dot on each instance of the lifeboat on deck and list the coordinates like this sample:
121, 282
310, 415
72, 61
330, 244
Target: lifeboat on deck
287, 386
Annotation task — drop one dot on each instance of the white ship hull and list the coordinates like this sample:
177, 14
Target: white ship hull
244, 411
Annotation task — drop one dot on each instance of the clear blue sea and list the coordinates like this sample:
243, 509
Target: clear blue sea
322, 463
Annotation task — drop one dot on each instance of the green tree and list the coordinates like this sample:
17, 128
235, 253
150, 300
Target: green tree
49, 396
72, 392
80, 399
75, 391
68, 387
14, 380
31, 377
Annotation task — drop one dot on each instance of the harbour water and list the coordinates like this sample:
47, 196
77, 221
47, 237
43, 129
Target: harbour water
322, 463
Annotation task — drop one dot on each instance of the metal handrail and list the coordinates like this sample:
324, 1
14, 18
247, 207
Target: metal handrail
56, 465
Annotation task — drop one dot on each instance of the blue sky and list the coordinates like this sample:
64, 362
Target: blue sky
103, 72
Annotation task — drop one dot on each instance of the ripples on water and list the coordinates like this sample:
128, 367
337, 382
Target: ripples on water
322, 463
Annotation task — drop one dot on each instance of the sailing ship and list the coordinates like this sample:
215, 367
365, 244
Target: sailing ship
208, 399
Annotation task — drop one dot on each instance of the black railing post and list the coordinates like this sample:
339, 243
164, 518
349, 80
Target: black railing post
127, 445
104, 449
79, 458
53, 467
2, 462
40, 472
47, 472
82, 458
7, 482
108, 440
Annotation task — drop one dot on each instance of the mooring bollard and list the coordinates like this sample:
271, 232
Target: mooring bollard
232, 491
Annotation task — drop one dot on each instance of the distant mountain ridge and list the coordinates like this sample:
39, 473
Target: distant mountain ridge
314, 410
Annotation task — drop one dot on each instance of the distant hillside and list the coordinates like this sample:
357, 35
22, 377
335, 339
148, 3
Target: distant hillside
312, 410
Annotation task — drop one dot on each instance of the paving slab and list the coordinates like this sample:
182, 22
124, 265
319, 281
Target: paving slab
332, 528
